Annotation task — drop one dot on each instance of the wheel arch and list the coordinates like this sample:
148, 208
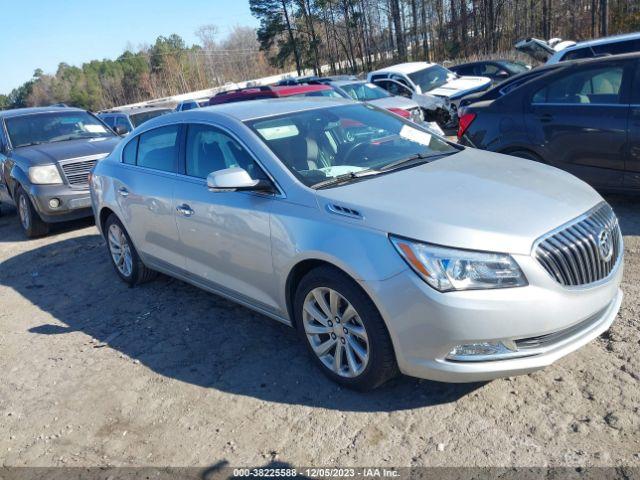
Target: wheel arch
514, 149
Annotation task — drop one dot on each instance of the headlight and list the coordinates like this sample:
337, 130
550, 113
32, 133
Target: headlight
417, 115
447, 269
45, 175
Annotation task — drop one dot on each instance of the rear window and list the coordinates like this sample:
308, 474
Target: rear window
139, 118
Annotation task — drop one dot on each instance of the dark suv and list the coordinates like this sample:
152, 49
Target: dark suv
582, 117
46, 155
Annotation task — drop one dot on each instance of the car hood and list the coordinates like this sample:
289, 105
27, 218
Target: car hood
394, 102
48, 153
460, 86
472, 199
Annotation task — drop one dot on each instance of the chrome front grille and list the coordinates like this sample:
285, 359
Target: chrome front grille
584, 251
76, 170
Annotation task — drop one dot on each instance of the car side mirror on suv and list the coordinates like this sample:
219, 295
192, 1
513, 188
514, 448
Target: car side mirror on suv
234, 179
120, 130
502, 74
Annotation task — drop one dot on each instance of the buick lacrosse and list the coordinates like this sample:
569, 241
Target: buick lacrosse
386, 247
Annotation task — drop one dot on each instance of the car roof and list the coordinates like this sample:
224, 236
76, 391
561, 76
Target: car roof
16, 112
408, 67
269, 107
603, 41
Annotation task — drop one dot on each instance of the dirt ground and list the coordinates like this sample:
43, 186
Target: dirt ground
96, 373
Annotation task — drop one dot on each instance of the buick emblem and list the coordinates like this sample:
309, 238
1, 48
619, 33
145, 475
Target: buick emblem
605, 245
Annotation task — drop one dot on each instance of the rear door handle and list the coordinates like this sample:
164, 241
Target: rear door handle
123, 192
545, 117
184, 210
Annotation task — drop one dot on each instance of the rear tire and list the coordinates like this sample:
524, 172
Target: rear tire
32, 225
343, 330
124, 256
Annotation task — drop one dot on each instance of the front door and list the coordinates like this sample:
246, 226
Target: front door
225, 236
579, 118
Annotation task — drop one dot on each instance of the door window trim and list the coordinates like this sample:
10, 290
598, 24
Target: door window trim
182, 160
176, 161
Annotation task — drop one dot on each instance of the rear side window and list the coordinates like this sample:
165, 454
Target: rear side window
595, 86
130, 152
577, 54
158, 148
617, 48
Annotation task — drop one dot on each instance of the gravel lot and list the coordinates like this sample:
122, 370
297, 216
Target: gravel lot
96, 373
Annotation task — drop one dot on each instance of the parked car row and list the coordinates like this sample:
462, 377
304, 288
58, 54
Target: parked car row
389, 248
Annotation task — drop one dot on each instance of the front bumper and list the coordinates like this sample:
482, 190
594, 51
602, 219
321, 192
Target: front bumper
74, 203
425, 325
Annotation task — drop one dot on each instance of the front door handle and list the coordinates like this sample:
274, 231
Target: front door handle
184, 210
123, 192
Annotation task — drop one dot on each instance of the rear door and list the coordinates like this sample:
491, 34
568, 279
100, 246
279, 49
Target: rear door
145, 193
578, 119
225, 236
632, 175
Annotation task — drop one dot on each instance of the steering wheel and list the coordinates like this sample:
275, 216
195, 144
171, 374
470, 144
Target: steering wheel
351, 150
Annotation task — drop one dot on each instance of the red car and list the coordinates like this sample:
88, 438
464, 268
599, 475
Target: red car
254, 93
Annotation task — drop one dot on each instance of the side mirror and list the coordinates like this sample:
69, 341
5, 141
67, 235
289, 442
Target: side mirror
120, 130
234, 179
502, 74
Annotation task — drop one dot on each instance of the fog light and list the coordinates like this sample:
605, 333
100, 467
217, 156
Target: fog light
54, 203
483, 351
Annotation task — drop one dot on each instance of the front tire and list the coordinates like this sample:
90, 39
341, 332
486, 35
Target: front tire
123, 254
343, 330
32, 225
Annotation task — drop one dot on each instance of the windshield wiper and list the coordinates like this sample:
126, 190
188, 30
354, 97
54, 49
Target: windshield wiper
345, 178
416, 158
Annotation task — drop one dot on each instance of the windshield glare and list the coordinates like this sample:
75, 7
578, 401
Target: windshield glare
365, 91
52, 127
321, 144
432, 77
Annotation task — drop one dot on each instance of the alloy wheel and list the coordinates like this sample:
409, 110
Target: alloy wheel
335, 332
23, 211
120, 250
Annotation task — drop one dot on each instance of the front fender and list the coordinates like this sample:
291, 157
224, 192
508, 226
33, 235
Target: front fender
19, 177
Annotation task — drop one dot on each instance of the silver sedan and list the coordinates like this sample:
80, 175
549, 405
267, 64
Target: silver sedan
388, 248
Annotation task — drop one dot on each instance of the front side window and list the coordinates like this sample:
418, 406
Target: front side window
52, 127
364, 92
209, 150
395, 88
121, 121
108, 119
158, 148
431, 78
322, 144
595, 86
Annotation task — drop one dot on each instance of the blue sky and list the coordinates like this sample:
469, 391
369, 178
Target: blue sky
43, 33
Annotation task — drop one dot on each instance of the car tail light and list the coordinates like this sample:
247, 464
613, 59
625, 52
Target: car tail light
399, 111
464, 122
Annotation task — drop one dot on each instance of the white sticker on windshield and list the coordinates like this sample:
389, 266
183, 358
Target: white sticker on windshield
415, 135
95, 129
279, 131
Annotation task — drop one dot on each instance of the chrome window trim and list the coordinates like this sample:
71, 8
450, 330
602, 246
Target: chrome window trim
561, 104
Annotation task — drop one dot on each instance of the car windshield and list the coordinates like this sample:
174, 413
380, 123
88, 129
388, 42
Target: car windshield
516, 67
139, 118
324, 144
432, 77
49, 127
365, 91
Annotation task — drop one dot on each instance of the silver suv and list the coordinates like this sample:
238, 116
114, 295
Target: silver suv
388, 248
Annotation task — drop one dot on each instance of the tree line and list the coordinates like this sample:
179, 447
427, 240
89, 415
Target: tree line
346, 36
356, 35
